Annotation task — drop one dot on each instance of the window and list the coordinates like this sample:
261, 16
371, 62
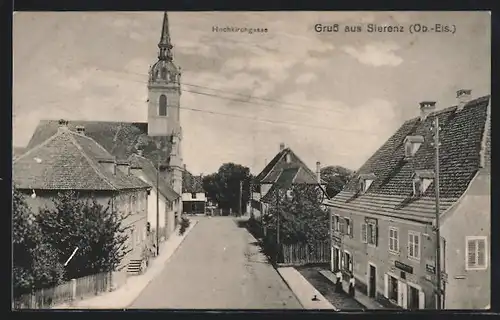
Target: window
347, 261
476, 255
365, 181
164, 73
336, 223
414, 245
393, 239
393, 288
193, 195
347, 227
369, 232
412, 144
163, 105
422, 179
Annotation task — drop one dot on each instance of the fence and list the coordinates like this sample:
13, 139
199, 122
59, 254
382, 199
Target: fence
301, 254
70, 291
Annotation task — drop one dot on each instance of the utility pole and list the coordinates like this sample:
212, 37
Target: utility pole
240, 210
158, 209
438, 236
330, 240
277, 224
251, 200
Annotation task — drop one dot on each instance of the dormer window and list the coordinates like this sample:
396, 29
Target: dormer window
365, 181
422, 179
412, 144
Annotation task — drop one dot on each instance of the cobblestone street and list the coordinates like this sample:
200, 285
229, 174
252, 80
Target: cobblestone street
219, 265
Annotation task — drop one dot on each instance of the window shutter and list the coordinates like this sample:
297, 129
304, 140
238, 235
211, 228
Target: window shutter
351, 224
351, 264
364, 233
481, 253
421, 299
375, 234
386, 285
471, 253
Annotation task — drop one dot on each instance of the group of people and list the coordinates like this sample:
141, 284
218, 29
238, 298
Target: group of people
338, 283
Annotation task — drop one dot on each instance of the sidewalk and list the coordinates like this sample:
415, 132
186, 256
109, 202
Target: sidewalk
127, 293
360, 297
303, 290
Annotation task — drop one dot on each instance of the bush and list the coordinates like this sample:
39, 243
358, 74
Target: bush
184, 225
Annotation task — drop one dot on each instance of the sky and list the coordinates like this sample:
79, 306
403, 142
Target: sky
333, 97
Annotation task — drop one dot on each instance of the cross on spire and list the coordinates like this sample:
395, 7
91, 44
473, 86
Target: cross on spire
164, 44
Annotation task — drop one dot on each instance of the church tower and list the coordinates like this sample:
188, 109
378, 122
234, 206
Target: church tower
164, 93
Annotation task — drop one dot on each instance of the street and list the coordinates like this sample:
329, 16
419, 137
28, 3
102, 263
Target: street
218, 266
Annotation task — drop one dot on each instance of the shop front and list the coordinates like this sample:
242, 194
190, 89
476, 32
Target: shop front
402, 289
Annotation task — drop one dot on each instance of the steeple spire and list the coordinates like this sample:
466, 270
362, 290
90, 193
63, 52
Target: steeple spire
164, 44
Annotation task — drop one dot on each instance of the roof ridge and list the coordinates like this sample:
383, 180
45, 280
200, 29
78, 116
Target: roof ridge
279, 158
303, 163
91, 139
37, 147
484, 138
91, 163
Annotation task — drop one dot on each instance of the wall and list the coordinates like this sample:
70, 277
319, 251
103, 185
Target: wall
468, 289
200, 196
134, 203
364, 253
152, 199
163, 125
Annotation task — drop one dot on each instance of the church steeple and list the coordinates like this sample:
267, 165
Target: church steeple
165, 45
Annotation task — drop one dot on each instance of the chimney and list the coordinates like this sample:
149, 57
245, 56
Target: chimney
282, 146
426, 107
80, 130
318, 171
463, 97
185, 167
124, 167
63, 125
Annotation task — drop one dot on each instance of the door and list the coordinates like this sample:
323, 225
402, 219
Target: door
373, 281
413, 297
403, 295
338, 259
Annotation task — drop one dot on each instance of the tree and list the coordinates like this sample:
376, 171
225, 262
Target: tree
302, 217
96, 230
35, 263
224, 186
336, 178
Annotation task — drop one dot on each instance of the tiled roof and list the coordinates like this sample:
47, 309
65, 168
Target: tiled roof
287, 178
390, 193
274, 168
150, 172
121, 139
192, 184
70, 161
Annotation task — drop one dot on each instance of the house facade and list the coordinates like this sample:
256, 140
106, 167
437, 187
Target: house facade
194, 198
71, 161
160, 138
383, 223
161, 197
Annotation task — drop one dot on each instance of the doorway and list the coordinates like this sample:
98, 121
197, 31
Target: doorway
372, 278
413, 298
336, 260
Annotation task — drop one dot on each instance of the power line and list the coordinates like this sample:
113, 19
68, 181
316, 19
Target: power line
249, 97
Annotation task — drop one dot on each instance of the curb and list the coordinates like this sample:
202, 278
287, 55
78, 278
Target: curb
288, 286
186, 233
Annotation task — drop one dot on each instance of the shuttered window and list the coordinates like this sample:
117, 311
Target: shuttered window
476, 253
364, 233
372, 233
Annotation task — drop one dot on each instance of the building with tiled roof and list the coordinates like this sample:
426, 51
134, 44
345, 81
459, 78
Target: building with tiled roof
383, 221
161, 197
159, 138
194, 198
72, 161
284, 170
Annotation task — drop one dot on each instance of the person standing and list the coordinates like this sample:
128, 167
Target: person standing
351, 285
338, 285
